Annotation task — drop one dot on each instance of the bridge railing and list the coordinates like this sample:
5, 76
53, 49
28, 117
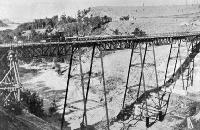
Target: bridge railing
95, 39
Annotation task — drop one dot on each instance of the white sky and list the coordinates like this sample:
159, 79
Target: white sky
26, 10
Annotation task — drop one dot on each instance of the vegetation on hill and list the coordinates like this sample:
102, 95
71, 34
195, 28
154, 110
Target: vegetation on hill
30, 103
80, 26
124, 18
85, 24
97, 20
6, 36
139, 33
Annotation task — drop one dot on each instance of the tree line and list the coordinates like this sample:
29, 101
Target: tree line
83, 25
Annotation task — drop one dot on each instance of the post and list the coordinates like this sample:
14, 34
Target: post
66, 92
169, 57
104, 87
177, 55
90, 73
128, 77
192, 77
142, 75
155, 67
83, 91
189, 69
17, 79
181, 66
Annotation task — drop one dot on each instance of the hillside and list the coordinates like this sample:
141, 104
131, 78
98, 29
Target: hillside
147, 11
7, 24
151, 19
2, 24
25, 121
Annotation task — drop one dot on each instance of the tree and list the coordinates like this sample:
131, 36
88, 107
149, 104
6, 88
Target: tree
6, 36
86, 21
106, 19
36, 37
33, 103
116, 32
138, 32
70, 19
54, 20
124, 18
50, 23
63, 19
95, 22
53, 107
79, 15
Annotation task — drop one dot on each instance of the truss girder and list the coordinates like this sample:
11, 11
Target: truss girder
30, 50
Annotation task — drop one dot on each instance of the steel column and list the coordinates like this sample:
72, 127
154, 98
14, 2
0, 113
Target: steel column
66, 92
104, 87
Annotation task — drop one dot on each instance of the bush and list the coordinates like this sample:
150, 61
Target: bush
14, 108
116, 32
11, 105
29, 101
126, 18
53, 107
33, 103
139, 33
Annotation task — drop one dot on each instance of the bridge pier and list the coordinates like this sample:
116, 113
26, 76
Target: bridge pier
163, 96
67, 87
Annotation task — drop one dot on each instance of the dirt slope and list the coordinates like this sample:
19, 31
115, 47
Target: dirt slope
23, 122
151, 19
147, 11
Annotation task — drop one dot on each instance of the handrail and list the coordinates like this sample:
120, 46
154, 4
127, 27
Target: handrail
109, 38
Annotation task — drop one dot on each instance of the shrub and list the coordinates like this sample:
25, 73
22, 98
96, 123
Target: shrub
138, 32
33, 103
53, 107
30, 101
116, 32
14, 107
126, 18
11, 105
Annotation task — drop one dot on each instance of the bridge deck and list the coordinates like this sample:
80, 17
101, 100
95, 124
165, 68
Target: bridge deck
91, 40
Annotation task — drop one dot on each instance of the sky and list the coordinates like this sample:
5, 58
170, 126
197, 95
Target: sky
27, 10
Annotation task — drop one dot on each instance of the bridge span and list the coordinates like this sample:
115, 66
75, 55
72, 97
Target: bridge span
148, 104
105, 43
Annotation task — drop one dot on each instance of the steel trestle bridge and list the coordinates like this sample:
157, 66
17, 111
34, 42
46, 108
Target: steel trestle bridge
147, 104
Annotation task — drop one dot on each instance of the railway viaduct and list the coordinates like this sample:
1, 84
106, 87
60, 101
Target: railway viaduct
144, 109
